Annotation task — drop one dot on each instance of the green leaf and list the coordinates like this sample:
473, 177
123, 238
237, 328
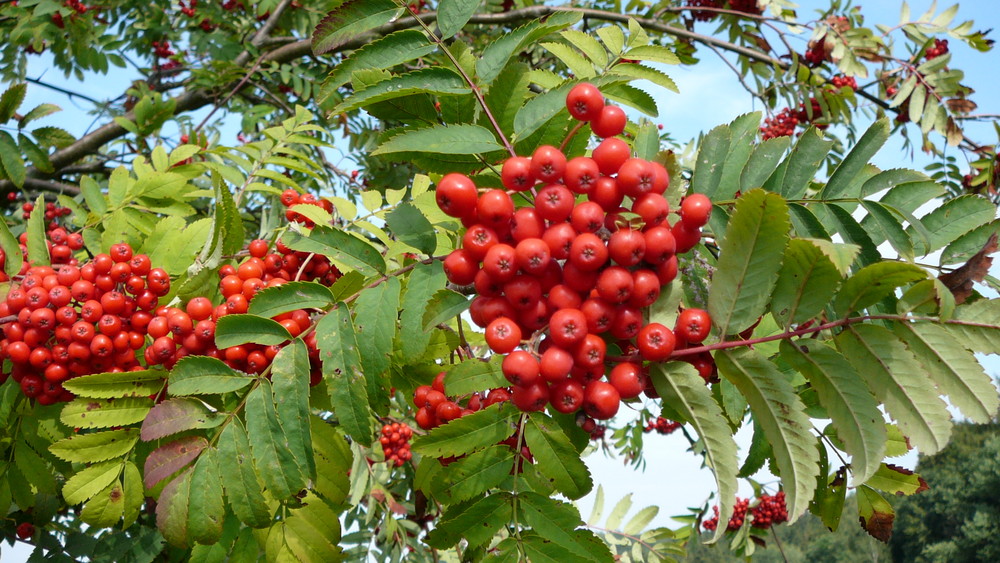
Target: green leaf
105, 509
375, 315
495, 56
803, 162
10, 100
311, 533
235, 330
444, 306
423, 282
847, 400
273, 301
539, 111
38, 112
968, 245
883, 222
842, 222
171, 458
201, 375
14, 258
831, 493
385, 52
90, 481
898, 380
684, 391
653, 53
34, 468
340, 246
38, 156
172, 510
855, 161
467, 434
557, 459
442, 139
278, 467
557, 521
207, 512
134, 494
53, 136
290, 383
742, 132
642, 72
953, 368
475, 521
897, 480
333, 461
875, 513
871, 284
711, 161
412, 227
243, 487
927, 297
956, 217
612, 37
474, 375
96, 446
349, 21
806, 224
38, 250
587, 45
764, 159
177, 415
781, 415
508, 93
576, 64
474, 474
647, 141
759, 452
807, 282
435, 80
454, 14
338, 347
84, 412
750, 257
980, 328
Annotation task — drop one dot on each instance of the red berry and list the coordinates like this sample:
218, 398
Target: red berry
585, 102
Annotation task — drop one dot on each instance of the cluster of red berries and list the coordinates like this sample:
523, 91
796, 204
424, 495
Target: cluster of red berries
575, 272
188, 10
768, 511
395, 442
751, 7
162, 50
590, 426
704, 15
662, 425
75, 5
52, 211
783, 123
74, 320
940, 48
841, 81
735, 521
291, 197
816, 52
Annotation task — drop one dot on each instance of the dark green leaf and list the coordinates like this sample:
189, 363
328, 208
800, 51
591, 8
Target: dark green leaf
871, 284
273, 301
475, 521
445, 305
424, 281
350, 20
749, 261
956, 217
497, 53
474, 375
855, 161
443, 139
375, 315
846, 398
474, 474
631, 96
805, 159
556, 521
344, 248
235, 330
277, 465
762, 162
201, 375
11, 100
742, 132
435, 80
468, 434
172, 510
412, 227
38, 156
290, 383
338, 347
882, 221
14, 258
177, 415
38, 250
966, 246
454, 14
243, 487
805, 222
333, 461
781, 415
557, 459
385, 52
38, 112
807, 282
895, 376
685, 392
207, 511
843, 223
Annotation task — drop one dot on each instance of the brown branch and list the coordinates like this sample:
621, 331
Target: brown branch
50, 186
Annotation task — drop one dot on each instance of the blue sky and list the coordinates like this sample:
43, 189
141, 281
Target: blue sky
709, 95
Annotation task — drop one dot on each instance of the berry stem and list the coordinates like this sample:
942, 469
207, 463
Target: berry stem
570, 135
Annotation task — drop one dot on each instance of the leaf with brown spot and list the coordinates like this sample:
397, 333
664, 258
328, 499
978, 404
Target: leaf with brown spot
961, 105
170, 458
875, 513
960, 281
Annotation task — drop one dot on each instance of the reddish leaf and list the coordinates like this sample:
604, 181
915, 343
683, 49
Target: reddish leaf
960, 280
170, 458
176, 415
879, 525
